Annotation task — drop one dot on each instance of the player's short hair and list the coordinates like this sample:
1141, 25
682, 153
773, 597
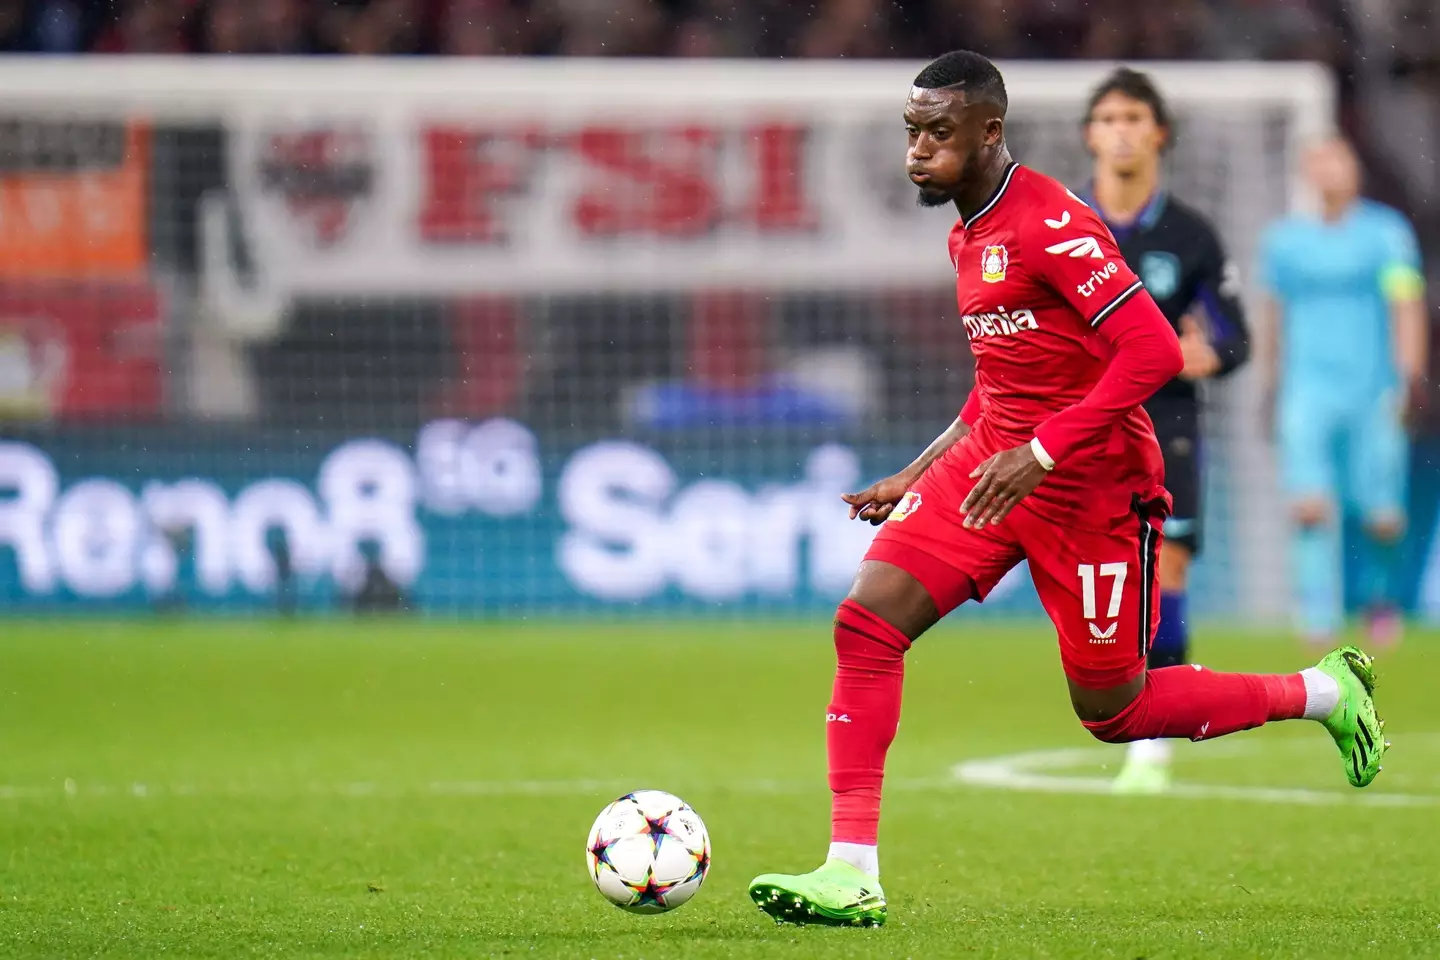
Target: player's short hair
966, 71
1136, 86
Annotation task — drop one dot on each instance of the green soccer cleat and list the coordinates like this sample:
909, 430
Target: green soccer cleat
1141, 777
1358, 732
836, 895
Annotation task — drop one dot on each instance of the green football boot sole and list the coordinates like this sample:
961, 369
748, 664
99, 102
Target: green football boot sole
836, 895
1358, 732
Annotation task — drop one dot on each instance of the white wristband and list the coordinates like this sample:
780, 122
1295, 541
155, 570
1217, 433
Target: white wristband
1046, 461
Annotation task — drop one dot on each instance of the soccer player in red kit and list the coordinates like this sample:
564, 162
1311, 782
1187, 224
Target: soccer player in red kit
1052, 461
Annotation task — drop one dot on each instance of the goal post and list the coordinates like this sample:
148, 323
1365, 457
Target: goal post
710, 274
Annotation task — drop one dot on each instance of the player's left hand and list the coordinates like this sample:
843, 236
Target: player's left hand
1201, 360
1005, 479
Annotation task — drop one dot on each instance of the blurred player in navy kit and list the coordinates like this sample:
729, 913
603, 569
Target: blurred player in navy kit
1177, 255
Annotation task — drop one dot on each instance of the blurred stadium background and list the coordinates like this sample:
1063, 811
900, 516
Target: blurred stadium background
476, 334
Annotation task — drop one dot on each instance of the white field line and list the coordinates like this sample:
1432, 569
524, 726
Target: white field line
608, 788
1036, 772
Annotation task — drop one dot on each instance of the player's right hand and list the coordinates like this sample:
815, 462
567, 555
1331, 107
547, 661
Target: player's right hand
876, 502
1201, 360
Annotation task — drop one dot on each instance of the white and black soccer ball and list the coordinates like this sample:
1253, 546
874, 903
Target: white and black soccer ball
648, 852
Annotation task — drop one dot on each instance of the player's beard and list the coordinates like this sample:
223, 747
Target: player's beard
932, 197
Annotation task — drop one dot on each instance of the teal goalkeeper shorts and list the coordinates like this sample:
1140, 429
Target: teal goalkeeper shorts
1348, 451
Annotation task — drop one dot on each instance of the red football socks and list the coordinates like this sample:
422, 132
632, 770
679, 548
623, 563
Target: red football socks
1190, 701
864, 712
862, 718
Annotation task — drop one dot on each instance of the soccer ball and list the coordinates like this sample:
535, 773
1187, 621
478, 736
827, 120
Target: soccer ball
648, 852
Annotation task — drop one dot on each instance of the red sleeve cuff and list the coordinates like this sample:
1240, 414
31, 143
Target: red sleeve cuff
1056, 440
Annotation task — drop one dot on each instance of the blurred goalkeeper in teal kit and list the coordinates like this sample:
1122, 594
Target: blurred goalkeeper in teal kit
1346, 315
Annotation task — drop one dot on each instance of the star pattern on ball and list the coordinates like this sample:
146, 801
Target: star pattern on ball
702, 863
652, 894
600, 850
658, 828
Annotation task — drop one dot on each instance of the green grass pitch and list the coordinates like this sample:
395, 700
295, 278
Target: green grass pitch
401, 789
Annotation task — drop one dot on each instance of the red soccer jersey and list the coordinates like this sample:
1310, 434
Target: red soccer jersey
1037, 273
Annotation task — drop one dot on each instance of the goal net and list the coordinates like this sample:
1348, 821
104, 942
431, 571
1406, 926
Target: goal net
523, 337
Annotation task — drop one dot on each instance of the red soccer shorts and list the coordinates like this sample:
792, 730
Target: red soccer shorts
1099, 586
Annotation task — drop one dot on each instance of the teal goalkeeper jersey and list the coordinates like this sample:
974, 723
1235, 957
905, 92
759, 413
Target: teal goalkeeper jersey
1334, 283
